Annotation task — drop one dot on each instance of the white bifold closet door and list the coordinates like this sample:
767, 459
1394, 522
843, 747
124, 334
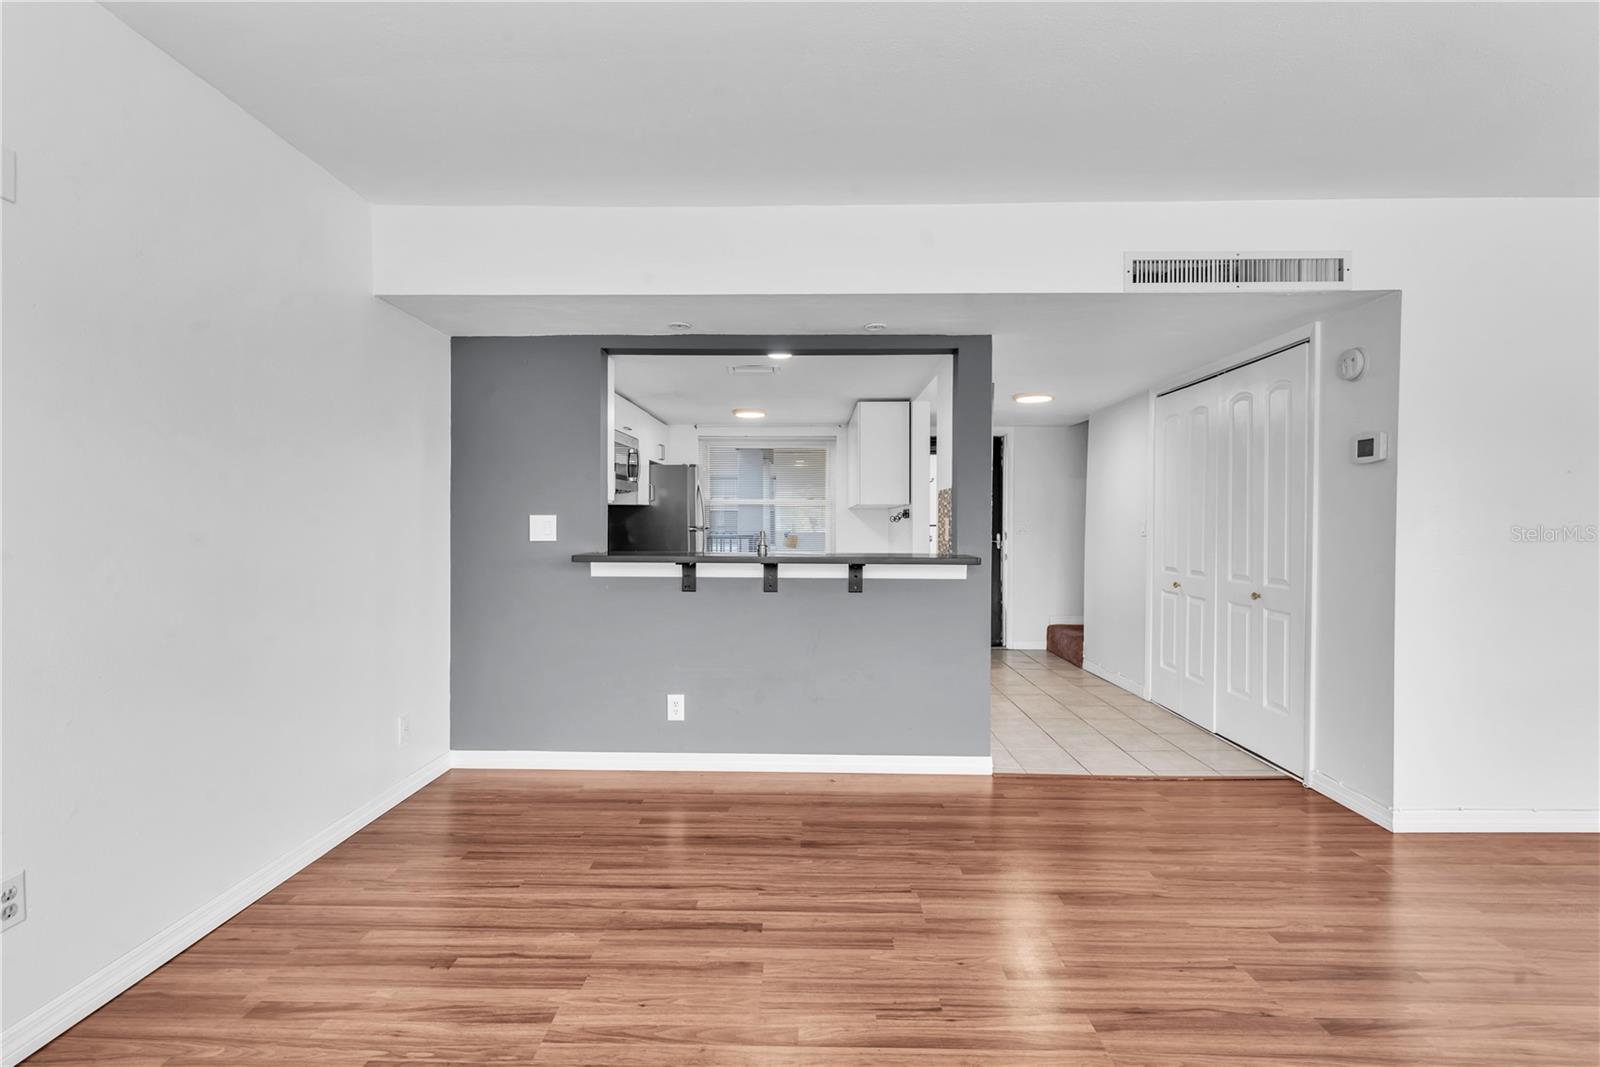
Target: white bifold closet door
1182, 675
1262, 574
1230, 567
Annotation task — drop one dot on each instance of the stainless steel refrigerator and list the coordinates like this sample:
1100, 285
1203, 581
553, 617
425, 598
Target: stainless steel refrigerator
669, 522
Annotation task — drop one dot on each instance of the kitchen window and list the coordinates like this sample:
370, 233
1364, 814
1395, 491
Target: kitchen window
779, 487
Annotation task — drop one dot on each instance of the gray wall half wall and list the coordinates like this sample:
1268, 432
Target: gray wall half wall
546, 658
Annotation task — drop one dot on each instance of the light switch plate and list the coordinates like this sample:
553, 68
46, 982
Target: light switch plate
541, 527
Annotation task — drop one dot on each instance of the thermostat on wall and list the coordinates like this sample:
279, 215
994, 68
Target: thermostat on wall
1369, 447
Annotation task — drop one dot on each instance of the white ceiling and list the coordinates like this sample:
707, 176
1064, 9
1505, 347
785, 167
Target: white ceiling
1089, 350
807, 390
744, 103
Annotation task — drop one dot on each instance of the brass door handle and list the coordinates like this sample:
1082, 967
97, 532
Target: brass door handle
1177, 585
1255, 596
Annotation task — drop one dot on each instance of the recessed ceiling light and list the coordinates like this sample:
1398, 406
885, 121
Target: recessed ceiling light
875, 327
749, 413
780, 355
680, 325
1032, 398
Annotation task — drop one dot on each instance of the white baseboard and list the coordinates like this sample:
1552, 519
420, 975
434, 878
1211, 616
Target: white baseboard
36, 1030
1497, 821
1357, 801
1457, 820
721, 761
1122, 681
1025, 646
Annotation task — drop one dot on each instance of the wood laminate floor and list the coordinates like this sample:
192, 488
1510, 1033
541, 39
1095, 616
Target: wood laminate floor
664, 919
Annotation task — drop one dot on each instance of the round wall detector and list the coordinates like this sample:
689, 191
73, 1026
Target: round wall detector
1352, 364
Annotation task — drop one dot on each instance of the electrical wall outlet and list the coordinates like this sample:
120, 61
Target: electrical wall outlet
402, 730
13, 900
674, 707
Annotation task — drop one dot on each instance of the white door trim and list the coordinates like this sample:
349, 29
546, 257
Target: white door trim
1313, 492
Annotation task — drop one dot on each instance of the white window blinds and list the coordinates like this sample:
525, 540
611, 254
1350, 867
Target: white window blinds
777, 487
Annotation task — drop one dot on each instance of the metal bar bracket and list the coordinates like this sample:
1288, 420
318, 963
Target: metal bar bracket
769, 577
688, 577
855, 578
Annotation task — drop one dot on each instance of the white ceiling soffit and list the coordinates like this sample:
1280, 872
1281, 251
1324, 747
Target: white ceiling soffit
1088, 350
729, 104
806, 390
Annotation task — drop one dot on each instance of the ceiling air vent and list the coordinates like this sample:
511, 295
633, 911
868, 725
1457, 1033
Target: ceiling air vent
752, 368
1229, 272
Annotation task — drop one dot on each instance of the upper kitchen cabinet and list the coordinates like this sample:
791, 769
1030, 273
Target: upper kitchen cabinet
879, 464
650, 433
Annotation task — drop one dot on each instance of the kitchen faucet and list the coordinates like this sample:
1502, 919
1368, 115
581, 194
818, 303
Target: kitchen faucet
761, 543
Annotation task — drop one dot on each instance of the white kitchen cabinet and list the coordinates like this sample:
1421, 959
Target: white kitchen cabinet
879, 465
651, 432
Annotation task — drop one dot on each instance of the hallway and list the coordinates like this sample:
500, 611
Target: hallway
1048, 717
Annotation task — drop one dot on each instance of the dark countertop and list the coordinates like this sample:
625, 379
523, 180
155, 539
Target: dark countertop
862, 558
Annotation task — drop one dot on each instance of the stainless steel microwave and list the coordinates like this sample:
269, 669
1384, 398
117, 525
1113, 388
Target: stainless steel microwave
625, 462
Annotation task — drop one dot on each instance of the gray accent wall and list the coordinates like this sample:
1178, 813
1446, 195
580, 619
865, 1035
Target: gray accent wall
545, 657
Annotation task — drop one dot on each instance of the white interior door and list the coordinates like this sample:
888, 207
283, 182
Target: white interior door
1261, 579
1184, 585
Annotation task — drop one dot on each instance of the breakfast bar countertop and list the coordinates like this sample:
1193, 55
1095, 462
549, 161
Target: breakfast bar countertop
854, 559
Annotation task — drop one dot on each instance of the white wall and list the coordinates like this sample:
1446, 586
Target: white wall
1497, 400
225, 506
1116, 565
1352, 669
942, 397
1045, 469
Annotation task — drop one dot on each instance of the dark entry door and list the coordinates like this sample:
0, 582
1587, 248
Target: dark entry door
997, 540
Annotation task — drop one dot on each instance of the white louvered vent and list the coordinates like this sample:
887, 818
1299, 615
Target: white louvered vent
1199, 272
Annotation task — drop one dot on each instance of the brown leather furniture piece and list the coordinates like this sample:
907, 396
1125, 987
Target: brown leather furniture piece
1065, 640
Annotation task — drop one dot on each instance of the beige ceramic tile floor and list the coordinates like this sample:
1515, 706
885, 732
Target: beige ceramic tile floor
1048, 717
